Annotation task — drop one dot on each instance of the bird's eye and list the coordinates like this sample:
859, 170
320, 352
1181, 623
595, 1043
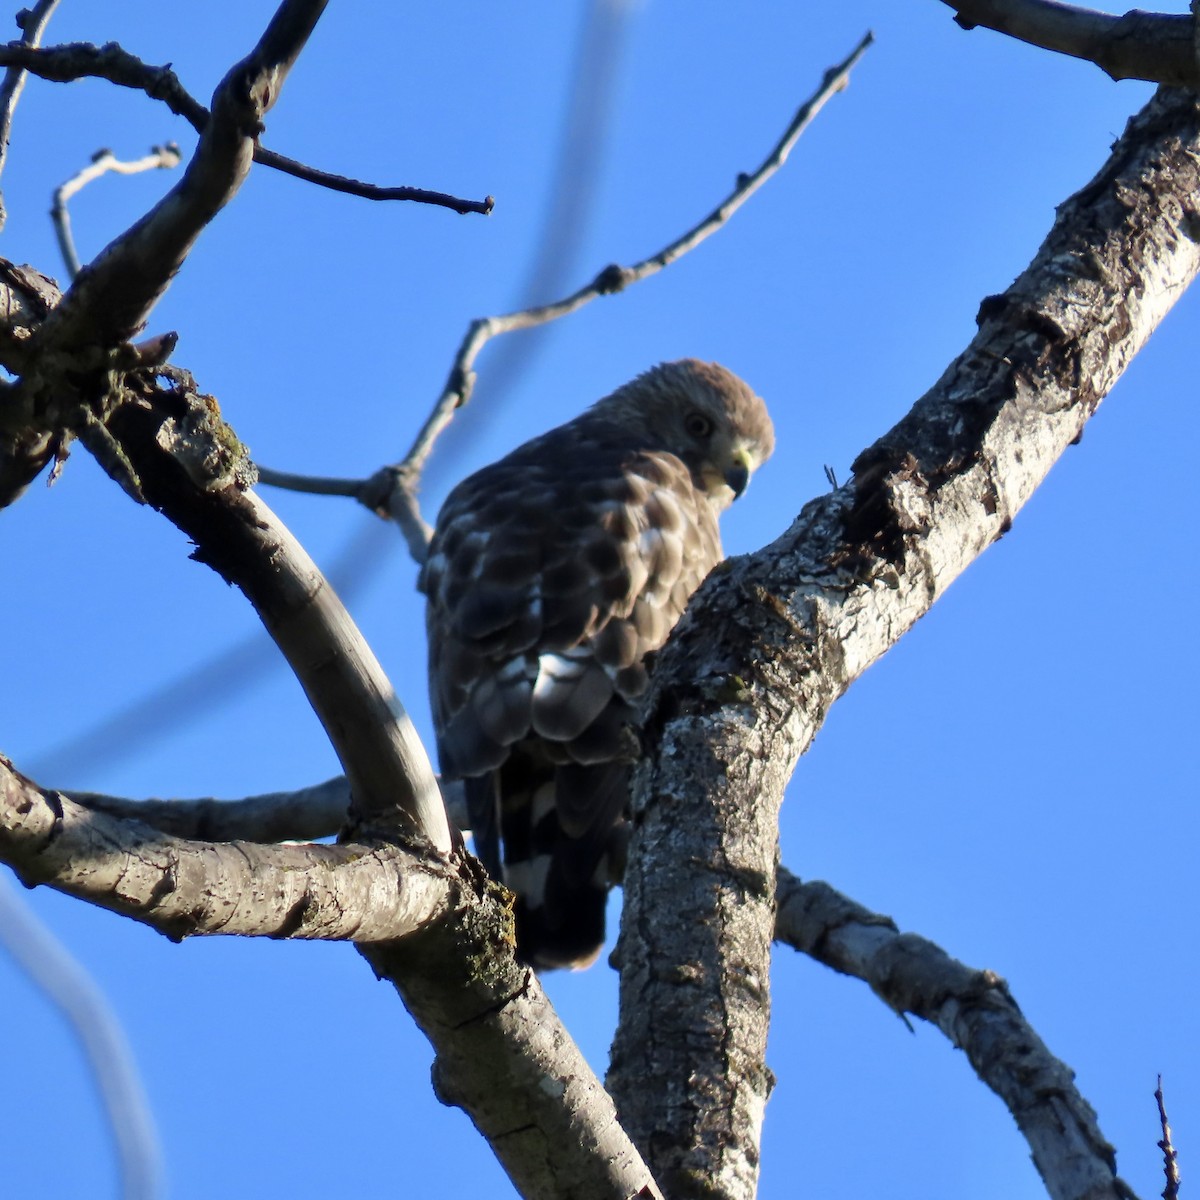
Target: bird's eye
698, 425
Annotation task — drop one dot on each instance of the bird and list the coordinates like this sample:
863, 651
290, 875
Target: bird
551, 578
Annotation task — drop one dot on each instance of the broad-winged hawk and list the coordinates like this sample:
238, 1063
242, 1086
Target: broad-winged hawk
550, 577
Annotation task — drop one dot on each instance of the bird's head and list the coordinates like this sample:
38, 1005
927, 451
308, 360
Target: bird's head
706, 416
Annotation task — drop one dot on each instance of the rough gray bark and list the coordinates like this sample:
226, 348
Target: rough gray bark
771, 641
504, 1057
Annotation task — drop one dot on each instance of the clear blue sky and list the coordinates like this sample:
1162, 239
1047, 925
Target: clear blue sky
1014, 781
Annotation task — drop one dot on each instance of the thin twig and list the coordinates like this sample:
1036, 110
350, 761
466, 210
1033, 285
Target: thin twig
103, 162
370, 191
315, 485
32, 22
1170, 1159
67, 986
80, 60
393, 489
614, 278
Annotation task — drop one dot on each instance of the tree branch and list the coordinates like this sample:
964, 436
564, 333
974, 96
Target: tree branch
392, 491
1170, 1159
80, 60
26, 445
771, 641
164, 442
976, 1011
182, 888
505, 1058
190, 466
1139, 45
307, 814
371, 191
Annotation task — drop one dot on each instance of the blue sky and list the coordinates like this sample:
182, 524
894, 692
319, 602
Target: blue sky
1014, 780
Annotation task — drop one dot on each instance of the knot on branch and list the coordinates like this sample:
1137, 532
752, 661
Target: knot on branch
614, 278
196, 436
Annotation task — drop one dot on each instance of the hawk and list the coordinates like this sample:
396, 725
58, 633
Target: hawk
552, 574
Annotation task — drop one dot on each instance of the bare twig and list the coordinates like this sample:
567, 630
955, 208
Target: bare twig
68, 987
611, 280
103, 162
79, 60
393, 489
589, 110
371, 191
32, 23
315, 485
976, 1011
1170, 1159
1138, 45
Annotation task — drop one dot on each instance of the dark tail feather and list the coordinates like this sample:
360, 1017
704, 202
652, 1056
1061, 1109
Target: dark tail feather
483, 810
565, 930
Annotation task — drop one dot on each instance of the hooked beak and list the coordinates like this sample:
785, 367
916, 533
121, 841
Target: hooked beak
738, 474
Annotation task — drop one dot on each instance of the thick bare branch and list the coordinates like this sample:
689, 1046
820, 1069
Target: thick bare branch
32, 22
772, 640
182, 887
81, 60
190, 466
505, 1058
975, 1010
1138, 45
392, 491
